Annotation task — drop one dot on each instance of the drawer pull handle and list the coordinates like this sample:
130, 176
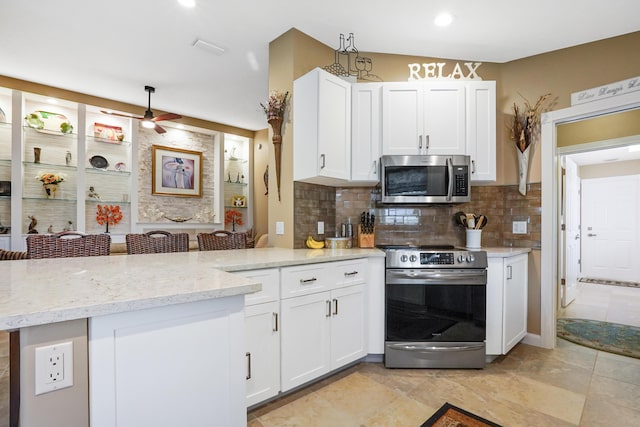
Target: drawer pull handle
509, 272
335, 308
328, 302
307, 281
275, 322
353, 273
248, 365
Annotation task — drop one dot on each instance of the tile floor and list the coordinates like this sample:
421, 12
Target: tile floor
616, 304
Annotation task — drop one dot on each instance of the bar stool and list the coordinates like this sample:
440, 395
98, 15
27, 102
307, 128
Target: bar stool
157, 242
67, 244
221, 240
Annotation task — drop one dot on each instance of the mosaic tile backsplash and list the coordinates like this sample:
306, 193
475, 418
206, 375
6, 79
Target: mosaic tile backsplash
425, 225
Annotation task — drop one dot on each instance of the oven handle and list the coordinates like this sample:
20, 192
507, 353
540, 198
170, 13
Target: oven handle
462, 277
427, 348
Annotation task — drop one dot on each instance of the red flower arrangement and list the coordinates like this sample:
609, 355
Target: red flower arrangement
233, 217
108, 214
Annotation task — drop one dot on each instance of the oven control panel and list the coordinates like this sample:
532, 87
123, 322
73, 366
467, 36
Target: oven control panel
411, 258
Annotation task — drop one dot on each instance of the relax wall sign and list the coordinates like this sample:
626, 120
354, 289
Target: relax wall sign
440, 71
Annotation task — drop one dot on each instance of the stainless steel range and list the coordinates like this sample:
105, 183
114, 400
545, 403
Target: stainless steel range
435, 301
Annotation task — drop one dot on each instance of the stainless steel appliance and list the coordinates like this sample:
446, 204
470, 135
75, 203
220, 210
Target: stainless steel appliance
435, 302
425, 179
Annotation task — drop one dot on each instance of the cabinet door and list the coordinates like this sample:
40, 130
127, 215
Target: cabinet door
444, 118
334, 127
322, 131
263, 352
514, 322
348, 326
495, 284
481, 130
305, 338
365, 132
402, 119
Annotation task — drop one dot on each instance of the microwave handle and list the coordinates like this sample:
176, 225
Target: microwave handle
450, 174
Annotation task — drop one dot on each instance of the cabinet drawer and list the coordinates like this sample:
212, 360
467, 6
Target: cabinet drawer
347, 273
305, 280
270, 279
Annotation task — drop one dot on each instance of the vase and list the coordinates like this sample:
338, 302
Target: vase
276, 125
50, 189
523, 169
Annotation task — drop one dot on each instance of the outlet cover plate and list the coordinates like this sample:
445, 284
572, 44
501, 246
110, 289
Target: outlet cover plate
280, 227
54, 367
519, 227
320, 227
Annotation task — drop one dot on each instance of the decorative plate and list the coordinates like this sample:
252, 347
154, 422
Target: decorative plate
48, 122
99, 162
121, 167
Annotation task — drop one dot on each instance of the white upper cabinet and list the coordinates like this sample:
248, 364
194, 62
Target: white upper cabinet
481, 130
423, 118
365, 132
322, 128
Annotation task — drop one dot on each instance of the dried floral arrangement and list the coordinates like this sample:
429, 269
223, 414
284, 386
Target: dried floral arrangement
50, 178
276, 104
108, 214
526, 123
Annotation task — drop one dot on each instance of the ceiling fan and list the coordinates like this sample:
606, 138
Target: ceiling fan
148, 120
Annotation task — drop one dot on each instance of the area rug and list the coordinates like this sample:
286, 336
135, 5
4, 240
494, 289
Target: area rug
605, 336
452, 416
609, 282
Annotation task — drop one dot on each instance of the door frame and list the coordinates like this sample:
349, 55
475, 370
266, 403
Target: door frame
550, 200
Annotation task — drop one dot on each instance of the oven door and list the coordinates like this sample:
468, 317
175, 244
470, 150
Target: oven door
435, 306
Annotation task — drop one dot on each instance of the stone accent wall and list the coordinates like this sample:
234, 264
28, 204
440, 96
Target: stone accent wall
427, 225
150, 207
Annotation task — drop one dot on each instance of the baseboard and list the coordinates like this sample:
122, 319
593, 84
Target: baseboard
533, 339
374, 358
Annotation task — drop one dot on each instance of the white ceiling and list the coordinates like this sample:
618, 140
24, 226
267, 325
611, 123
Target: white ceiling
608, 155
112, 49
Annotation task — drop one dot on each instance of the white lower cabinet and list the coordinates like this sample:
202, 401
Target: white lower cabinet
262, 326
507, 283
324, 329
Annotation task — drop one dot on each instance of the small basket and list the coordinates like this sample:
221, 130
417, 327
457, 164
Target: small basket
366, 240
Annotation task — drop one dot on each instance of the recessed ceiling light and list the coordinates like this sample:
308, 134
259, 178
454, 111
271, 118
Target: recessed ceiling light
444, 19
187, 3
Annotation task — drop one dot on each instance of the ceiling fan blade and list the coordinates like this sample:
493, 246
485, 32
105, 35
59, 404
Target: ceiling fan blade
159, 129
167, 116
112, 113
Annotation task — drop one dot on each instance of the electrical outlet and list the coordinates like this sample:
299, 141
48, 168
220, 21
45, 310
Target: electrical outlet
53, 367
280, 227
320, 227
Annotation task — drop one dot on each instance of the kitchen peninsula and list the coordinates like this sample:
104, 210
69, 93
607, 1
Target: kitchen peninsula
165, 332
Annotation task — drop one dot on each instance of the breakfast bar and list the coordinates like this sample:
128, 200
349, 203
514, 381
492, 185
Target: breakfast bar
161, 336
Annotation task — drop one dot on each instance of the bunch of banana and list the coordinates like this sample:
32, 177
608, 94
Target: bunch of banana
313, 243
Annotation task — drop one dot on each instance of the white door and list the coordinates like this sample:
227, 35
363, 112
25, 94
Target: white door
401, 118
572, 232
348, 330
610, 228
305, 338
263, 351
443, 111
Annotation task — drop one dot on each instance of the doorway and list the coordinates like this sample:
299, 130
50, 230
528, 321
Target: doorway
551, 197
597, 246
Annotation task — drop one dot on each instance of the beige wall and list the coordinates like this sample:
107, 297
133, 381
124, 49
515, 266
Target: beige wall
61, 408
631, 167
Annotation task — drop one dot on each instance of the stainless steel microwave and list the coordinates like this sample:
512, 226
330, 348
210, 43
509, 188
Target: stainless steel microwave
425, 179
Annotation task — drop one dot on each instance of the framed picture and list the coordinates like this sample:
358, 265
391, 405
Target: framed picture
239, 201
176, 172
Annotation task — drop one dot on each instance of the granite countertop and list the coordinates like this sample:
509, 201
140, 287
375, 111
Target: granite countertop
36, 292
504, 252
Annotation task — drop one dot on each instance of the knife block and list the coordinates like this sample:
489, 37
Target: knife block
366, 240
